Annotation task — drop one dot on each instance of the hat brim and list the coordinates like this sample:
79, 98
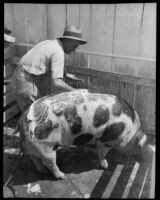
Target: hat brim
9, 38
73, 38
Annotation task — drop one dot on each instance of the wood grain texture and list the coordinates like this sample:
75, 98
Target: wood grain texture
11, 112
102, 21
145, 105
56, 20
8, 16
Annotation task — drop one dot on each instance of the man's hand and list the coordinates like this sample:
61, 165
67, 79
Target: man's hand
74, 81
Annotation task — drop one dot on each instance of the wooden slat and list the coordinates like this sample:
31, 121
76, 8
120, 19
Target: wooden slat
148, 31
152, 185
73, 18
113, 181
126, 37
147, 42
11, 112
127, 92
131, 180
8, 16
36, 22
9, 52
7, 88
102, 24
56, 20
18, 20
145, 105
113, 76
8, 71
85, 23
8, 98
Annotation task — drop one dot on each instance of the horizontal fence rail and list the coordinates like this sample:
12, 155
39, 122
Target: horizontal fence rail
101, 54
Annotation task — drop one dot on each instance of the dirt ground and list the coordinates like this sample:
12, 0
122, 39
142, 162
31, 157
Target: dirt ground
125, 177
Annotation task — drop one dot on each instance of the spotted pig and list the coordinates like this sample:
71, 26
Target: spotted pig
78, 118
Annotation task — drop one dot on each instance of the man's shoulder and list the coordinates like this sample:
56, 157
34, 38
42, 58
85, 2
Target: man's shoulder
54, 45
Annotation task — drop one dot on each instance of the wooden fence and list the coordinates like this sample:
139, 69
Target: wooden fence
11, 108
121, 37
119, 57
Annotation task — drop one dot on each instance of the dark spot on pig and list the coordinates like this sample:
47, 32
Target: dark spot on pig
73, 119
43, 130
112, 132
101, 116
85, 108
117, 109
123, 106
79, 99
40, 111
83, 139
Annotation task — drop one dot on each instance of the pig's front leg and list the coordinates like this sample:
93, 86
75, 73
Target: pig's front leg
102, 152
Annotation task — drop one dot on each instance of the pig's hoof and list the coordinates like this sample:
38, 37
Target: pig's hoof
60, 175
104, 164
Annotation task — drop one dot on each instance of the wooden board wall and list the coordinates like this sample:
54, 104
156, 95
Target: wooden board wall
123, 29
11, 108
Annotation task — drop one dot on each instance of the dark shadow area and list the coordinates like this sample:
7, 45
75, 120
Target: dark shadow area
72, 160
69, 161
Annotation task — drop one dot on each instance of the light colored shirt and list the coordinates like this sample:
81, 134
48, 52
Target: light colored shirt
46, 55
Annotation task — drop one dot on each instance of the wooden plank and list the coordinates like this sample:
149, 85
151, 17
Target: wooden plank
9, 51
8, 98
85, 23
73, 15
147, 43
147, 69
113, 76
7, 88
8, 71
29, 22
131, 180
152, 185
21, 50
85, 20
127, 92
7, 16
126, 37
145, 105
148, 31
113, 181
102, 21
10, 113
56, 20
19, 23
94, 85
36, 24
73, 18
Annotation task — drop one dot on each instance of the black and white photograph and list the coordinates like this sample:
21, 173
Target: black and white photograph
79, 100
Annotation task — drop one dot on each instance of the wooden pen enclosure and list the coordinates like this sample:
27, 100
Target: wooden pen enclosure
120, 56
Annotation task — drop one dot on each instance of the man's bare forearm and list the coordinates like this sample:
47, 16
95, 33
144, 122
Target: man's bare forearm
58, 86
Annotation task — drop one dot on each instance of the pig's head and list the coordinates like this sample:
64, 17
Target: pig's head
139, 147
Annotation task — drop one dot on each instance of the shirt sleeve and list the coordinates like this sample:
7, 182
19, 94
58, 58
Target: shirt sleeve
57, 65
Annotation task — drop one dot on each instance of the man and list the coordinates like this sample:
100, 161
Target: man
41, 70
